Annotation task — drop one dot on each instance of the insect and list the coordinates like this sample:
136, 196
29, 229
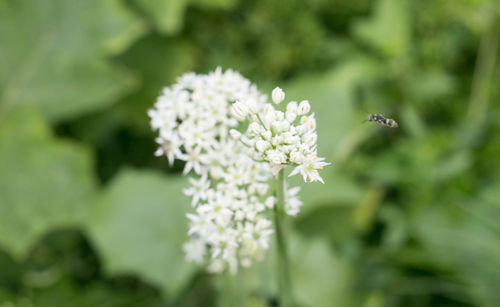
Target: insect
381, 120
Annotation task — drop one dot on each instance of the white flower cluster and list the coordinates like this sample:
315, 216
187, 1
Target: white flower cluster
230, 189
275, 137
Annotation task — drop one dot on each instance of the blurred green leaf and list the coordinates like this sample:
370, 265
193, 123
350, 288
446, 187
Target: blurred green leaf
158, 61
54, 54
44, 182
338, 189
67, 293
413, 123
139, 226
451, 165
388, 30
464, 241
320, 277
429, 85
168, 15
476, 15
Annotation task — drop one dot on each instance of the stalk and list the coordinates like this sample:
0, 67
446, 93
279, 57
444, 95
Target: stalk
283, 266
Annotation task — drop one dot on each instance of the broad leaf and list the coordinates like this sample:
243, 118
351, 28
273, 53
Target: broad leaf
44, 182
139, 227
388, 30
168, 15
320, 278
54, 54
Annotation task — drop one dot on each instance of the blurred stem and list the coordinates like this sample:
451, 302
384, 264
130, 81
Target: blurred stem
284, 280
482, 80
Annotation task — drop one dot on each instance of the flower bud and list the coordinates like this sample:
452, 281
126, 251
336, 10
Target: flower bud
262, 145
290, 117
279, 115
304, 107
296, 157
278, 95
239, 110
252, 107
301, 129
270, 201
267, 135
268, 118
310, 138
286, 148
247, 141
276, 157
254, 129
235, 134
277, 140
291, 107
289, 138
280, 126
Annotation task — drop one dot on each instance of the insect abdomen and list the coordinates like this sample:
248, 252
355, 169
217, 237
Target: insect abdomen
390, 123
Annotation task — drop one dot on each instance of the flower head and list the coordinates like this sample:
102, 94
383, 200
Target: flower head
284, 139
194, 118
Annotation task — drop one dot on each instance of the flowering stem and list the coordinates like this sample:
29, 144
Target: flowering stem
284, 280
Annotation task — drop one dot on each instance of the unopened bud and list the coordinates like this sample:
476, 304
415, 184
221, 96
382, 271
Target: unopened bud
278, 95
240, 110
235, 134
304, 107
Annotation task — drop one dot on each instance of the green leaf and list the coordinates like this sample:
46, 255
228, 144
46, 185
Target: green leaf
388, 30
139, 226
54, 54
44, 182
464, 238
66, 292
168, 15
338, 189
159, 61
319, 276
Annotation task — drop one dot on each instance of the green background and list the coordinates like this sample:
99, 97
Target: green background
407, 217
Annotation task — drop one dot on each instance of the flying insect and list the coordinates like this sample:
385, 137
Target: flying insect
381, 120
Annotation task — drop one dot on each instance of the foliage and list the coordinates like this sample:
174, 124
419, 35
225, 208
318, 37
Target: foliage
407, 217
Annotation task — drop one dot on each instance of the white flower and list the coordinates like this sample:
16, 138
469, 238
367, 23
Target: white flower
195, 250
255, 129
192, 161
195, 119
256, 234
304, 107
296, 157
309, 169
292, 201
281, 142
280, 126
291, 107
278, 95
270, 202
240, 110
169, 147
235, 134
262, 145
275, 156
198, 189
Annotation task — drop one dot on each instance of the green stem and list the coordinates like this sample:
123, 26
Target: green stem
284, 280
482, 82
